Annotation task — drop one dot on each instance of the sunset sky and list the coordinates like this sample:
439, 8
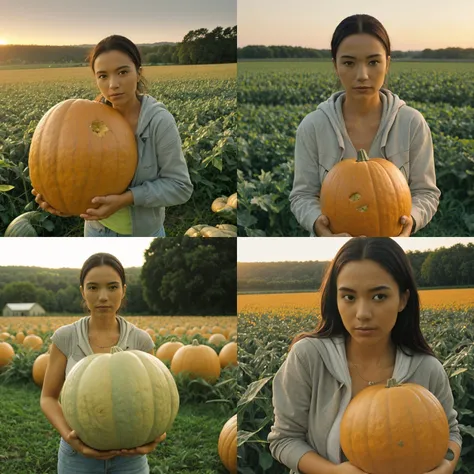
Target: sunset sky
70, 252
411, 25
299, 249
71, 22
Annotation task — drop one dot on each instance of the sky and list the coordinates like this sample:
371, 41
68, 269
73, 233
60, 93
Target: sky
300, 249
70, 252
72, 22
411, 25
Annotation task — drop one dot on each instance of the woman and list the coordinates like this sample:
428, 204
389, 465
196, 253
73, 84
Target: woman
103, 287
338, 359
161, 178
363, 116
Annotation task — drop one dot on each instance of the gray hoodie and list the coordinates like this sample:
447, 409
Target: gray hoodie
312, 389
161, 178
403, 138
73, 340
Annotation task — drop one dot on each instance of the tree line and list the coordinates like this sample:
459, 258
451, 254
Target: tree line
199, 46
452, 266
298, 52
180, 276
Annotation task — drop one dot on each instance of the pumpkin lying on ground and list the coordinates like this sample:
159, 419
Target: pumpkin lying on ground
120, 400
204, 230
197, 360
167, 350
228, 355
365, 197
395, 429
39, 369
227, 445
81, 149
25, 225
6, 353
226, 207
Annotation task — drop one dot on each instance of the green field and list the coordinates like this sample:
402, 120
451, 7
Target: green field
201, 98
275, 96
264, 338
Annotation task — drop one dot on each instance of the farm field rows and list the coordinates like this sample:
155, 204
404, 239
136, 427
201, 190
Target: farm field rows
460, 298
191, 444
264, 338
273, 99
201, 98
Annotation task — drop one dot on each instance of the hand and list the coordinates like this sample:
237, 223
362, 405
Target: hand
108, 205
407, 222
348, 468
47, 207
145, 449
321, 228
444, 468
73, 440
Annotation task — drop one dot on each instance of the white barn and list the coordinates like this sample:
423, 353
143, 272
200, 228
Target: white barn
23, 309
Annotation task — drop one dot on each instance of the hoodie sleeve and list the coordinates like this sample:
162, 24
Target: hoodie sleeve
422, 182
304, 197
440, 388
291, 406
173, 185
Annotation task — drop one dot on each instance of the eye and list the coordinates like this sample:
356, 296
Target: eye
114, 287
348, 63
383, 297
101, 76
374, 62
92, 287
345, 297
125, 72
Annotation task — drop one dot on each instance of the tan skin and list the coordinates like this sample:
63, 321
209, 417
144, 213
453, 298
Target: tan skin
373, 301
361, 60
103, 293
115, 73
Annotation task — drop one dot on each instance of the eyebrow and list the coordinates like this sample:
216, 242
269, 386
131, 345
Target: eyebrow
121, 67
368, 57
377, 288
109, 283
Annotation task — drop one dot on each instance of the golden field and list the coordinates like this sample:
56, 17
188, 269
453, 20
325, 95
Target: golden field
151, 73
457, 298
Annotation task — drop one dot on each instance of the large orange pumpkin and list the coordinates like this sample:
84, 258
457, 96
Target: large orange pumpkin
365, 197
39, 369
167, 350
81, 149
227, 445
395, 429
228, 355
6, 354
33, 342
197, 360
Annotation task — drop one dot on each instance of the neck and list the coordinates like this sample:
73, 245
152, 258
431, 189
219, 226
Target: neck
362, 107
103, 323
381, 355
130, 108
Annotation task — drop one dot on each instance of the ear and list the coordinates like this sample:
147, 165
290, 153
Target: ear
124, 291
82, 291
404, 300
388, 64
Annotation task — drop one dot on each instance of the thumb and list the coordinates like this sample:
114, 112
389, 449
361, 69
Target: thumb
99, 200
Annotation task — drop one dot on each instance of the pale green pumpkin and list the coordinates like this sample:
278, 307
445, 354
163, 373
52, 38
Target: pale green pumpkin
120, 400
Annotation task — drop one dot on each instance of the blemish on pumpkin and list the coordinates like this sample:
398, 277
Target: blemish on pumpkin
363, 208
401, 444
99, 128
354, 197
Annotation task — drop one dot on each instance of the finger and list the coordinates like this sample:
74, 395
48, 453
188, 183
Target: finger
34, 192
88, 217
99, 200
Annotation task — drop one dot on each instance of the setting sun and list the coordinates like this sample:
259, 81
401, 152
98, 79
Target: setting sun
3, 42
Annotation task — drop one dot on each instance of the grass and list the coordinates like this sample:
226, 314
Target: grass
29, 443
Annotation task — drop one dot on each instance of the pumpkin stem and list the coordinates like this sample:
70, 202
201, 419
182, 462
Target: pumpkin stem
392, 383
195, 342
362, 156
116, 349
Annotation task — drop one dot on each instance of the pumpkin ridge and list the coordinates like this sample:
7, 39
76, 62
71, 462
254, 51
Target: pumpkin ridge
372, 175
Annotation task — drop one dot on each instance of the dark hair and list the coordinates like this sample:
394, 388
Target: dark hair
119, 43
359, 24
98, 260
387, 253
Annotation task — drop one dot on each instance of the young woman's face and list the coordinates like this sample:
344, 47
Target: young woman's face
103, 290
361, 64
116, 76
368, 297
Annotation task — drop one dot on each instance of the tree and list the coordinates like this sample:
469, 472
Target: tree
20, 292
191, 276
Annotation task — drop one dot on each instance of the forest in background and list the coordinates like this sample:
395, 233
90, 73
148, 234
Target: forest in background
180, 276
298, 52
453, 266
199, 46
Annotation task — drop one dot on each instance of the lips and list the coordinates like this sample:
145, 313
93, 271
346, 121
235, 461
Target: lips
362, 88
365, 329
116, 95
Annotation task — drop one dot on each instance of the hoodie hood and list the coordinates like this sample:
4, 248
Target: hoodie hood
332, 108
149, 108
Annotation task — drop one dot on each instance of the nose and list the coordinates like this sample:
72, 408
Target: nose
103, 295
114, 83
362, 74
363, 311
